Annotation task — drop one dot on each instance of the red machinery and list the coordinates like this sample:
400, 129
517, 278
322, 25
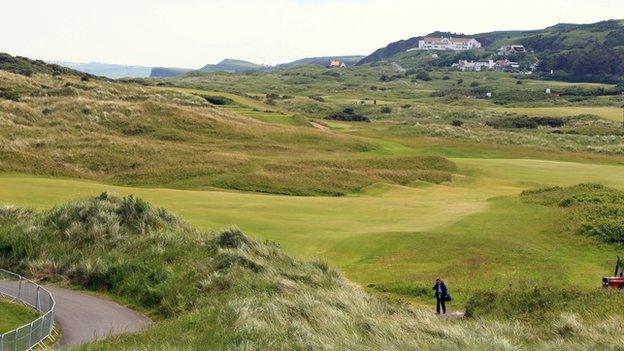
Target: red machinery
617, 281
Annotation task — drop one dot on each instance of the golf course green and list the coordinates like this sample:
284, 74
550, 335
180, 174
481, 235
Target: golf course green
475, 232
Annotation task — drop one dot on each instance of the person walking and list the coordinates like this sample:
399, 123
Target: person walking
441, 295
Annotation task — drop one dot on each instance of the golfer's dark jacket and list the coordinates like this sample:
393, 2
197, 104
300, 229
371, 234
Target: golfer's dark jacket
444, 290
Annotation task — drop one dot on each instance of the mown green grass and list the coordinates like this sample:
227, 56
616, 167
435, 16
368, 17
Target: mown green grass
475, 232
14, 316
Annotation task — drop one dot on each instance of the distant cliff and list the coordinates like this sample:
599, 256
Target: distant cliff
165, 72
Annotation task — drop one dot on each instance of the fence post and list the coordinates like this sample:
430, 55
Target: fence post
30, 336
19, 289
2, 342
38, 302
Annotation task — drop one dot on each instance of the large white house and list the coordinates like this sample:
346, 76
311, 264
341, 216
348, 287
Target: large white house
441, 43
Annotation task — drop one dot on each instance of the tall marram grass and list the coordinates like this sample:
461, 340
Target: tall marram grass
228, 292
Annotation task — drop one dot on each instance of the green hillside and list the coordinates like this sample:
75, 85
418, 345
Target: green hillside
28, 67
164, 72
575, 52
231, 66
322, 61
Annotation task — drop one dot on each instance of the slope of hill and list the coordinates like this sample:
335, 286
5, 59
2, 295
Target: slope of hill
575, 52
231, 66
27, 67
108, 70
349, 60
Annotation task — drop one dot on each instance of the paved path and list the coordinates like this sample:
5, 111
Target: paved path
84, 318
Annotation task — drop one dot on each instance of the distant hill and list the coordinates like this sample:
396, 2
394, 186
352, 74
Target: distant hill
164, 72
575, 52
350, 60
109, 70
231, 66
27, 67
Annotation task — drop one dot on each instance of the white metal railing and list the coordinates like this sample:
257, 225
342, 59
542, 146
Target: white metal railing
19, 289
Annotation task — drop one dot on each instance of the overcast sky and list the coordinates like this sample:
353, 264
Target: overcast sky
192, 33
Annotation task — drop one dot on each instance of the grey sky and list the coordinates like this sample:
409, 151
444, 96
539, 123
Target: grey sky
191, 33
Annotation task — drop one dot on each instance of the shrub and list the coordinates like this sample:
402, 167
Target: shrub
349, 115
9, 95
386, 109
217, 100
423, 75
232, 238
525, 122
317, 98
457, 123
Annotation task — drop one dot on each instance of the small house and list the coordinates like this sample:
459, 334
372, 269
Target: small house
336, 64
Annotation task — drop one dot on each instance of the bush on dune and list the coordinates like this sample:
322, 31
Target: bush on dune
348, 115
596, 210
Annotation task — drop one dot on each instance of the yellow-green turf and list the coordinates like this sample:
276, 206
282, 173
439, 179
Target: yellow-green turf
14, 316
475, 232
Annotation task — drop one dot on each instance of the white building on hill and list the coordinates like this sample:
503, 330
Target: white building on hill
336, 64
454, 44
465, 65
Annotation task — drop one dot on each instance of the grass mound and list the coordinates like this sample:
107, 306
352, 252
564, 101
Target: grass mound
228, 292
595, 210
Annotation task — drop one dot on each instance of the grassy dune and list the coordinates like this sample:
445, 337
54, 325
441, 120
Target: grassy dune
610, 113
150, 136
14, 316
